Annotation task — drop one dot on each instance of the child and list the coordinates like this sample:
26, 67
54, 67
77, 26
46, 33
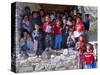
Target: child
86, 22
27, 11
26, 43
25, 23
71, 40
58, 34
80, 47
95, 56
69, 22
88, 57
38, 40
47, 28
65, 31
35, 19
79, 30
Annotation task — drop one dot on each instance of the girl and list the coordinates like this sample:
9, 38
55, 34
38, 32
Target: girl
79, 29
25, 43
80, 47
47, 28
25, 23
58, 34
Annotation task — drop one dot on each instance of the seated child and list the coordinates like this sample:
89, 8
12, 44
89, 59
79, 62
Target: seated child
25, 43
38, 40
88, 57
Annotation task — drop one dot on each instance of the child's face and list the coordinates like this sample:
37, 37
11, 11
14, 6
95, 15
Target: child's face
81, 38
88, 47
35, 15
25, 34
43, 19
36, 27
64, 21
78, 20
41, 13
58, 23
69, 18
47, 19
26, 18
70, 33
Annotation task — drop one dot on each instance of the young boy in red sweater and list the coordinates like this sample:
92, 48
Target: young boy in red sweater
88, 57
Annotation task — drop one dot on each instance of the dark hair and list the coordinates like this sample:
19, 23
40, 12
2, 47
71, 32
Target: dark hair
91, 46
22, 35
24, 16
27, 8
87, 15
33, 12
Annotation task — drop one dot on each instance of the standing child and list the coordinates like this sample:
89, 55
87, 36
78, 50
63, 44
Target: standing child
79, 29
86, 23
58, 34
38, 40
47, 28
88, 57
71, 41
80, 47
94, 64
65, 30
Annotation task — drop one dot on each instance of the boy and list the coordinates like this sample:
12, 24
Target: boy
88, 57
35, 19
38, 40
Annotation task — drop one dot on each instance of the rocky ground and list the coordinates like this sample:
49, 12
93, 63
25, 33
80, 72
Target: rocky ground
49, 61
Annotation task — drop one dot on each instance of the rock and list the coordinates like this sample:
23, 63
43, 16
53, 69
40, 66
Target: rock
45, 55
65, 52
35, 60
25, 69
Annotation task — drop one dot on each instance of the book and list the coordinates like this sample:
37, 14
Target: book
53, 37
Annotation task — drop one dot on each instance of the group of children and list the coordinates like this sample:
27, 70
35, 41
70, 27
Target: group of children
41, 31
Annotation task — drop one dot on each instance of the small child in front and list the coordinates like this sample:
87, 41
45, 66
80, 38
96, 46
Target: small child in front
88, 57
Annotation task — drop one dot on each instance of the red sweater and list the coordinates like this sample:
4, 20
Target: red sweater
80, 27
57, 30
88, 57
